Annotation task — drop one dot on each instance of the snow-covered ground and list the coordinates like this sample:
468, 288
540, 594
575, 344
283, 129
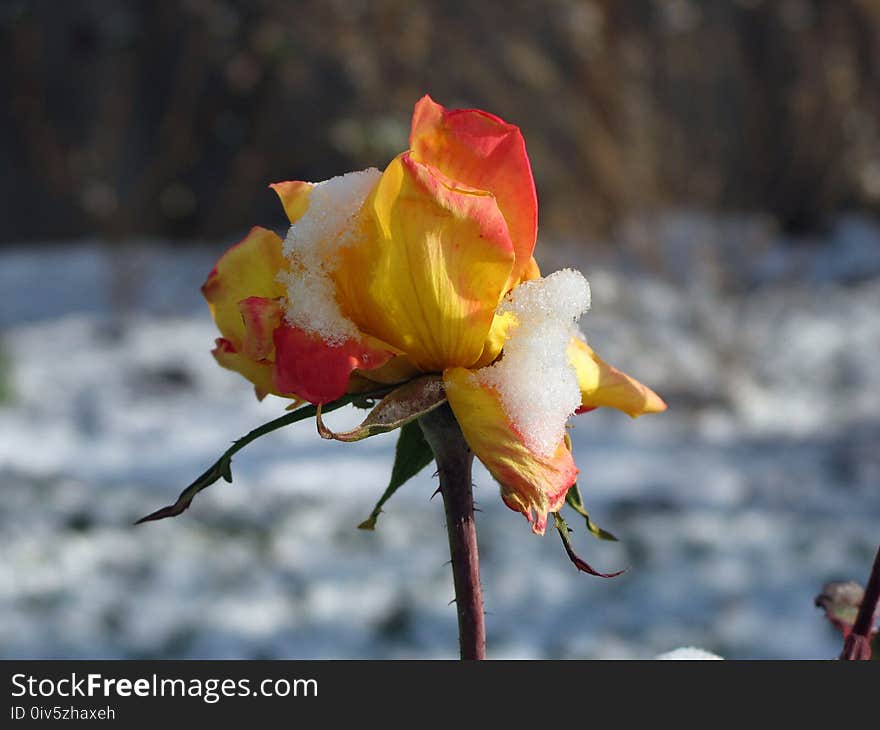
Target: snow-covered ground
733, 508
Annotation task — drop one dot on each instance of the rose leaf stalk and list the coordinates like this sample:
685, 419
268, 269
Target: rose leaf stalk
454, 460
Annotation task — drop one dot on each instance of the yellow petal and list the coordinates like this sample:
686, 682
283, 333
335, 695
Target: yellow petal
248, 269
501, 323
294, 196
603, 385
428, 267
496, 338
531, 483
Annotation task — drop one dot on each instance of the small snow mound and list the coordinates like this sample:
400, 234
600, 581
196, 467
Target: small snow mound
564, 295
688, 653
537, 385
310, 246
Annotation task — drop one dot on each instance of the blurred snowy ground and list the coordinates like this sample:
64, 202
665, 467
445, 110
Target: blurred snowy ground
733, 508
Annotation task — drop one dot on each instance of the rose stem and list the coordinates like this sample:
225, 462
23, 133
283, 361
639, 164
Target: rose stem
454, 460
857, 644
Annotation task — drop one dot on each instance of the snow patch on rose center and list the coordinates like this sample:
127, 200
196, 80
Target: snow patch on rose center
537, 385
310, 247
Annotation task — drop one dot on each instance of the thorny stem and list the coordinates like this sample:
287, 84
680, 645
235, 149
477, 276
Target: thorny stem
454, 460
857, 644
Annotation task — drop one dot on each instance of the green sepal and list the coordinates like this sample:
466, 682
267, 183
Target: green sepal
575, 501
578, 562
411, 456
222, 468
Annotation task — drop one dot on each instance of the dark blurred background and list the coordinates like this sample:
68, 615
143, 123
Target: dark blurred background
127, 118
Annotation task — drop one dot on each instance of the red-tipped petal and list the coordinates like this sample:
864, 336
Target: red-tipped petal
531, 483
480, 150
306, 365
429, 266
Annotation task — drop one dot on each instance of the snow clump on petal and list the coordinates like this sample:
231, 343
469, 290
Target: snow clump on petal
328, 224
536, 382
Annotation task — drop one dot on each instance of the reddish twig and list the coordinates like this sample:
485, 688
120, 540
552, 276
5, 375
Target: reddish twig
858, 643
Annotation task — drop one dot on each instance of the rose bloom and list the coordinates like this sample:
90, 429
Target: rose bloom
426, 267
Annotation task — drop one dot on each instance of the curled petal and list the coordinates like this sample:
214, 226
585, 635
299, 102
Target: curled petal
258, 372
428, 266
603, 385
316, 371
401, 406
248, 269
294, 196
531, 483
495, 338
482, 151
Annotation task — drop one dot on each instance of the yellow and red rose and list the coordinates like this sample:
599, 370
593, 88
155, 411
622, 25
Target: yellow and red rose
383, 277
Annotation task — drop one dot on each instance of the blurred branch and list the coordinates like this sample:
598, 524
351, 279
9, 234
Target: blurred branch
858, 644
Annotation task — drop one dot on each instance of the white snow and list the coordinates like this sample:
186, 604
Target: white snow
310, 244
537, 385
688, 652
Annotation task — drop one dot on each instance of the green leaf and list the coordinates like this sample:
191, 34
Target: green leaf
222, 468
401, 406
412, 455
576, 502
579, 563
